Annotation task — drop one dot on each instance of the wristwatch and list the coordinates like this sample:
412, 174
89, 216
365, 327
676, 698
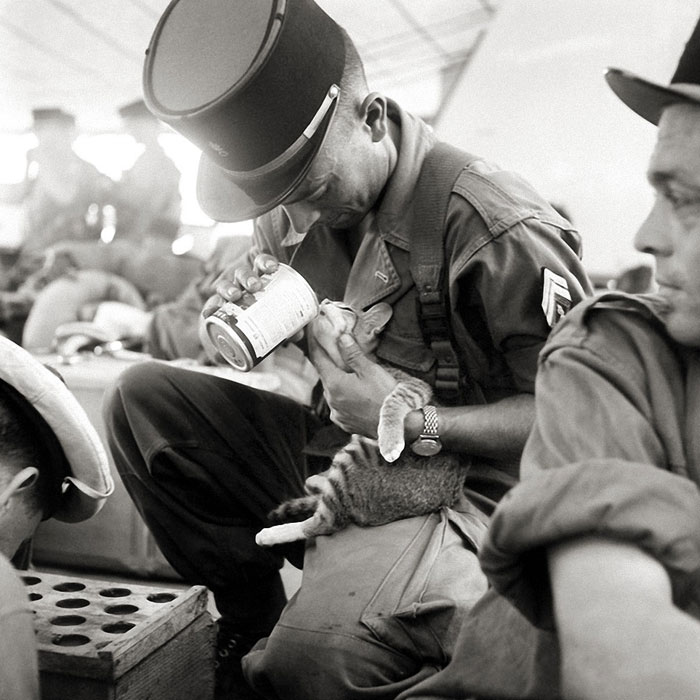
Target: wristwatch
428, 442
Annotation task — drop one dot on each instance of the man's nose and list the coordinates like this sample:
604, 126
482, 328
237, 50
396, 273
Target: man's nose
655, 234
301, 215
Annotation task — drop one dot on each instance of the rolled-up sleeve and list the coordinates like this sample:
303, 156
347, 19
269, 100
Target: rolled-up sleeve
606, 457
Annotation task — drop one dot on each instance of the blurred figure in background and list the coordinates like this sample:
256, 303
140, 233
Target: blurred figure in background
147, 198
134, 268
116, 310
62, 194
62, 198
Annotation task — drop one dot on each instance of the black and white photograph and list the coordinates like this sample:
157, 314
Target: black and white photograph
349, 350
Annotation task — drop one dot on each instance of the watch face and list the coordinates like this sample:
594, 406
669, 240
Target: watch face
426, 447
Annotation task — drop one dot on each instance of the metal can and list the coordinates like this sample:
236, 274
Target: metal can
244, 336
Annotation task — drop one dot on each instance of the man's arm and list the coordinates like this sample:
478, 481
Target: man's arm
494, 430
620, 634
619, 529
497, 430
19, 673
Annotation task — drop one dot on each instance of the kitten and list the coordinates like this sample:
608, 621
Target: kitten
370, 482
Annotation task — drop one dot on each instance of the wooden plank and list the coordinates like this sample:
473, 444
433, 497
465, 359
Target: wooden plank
181, 669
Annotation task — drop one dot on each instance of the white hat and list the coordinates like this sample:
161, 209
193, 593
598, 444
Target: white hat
86, 480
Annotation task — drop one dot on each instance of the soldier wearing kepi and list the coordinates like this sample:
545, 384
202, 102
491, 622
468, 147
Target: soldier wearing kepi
360, 198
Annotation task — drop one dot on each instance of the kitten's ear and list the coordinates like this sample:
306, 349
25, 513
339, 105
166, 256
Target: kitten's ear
377, 316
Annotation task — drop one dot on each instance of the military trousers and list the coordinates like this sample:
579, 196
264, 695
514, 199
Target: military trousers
205, 459
379, 609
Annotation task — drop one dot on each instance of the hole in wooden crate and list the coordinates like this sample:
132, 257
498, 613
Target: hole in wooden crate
72, 603
31, 580
69, 587
118, 627
121, 609
115, 592
70, 640
35, 596
68, 620
161, 597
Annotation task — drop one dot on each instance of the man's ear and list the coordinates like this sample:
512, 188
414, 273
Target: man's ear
22, 480
377, 316
374, 115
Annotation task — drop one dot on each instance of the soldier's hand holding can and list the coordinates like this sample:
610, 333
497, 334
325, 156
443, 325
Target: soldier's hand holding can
256, 309
239, 283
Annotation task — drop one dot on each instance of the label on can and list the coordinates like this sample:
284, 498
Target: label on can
283, 307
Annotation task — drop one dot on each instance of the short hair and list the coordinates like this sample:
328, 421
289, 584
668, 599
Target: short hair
52, 115
23, 443
354, 78
353, 84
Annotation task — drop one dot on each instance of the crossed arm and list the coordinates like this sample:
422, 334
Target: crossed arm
620, 531
620, 635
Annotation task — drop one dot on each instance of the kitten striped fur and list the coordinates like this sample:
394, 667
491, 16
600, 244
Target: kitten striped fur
369, 482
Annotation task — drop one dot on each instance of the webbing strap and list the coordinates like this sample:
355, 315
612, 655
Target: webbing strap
440, 170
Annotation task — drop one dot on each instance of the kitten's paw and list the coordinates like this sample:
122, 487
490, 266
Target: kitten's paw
391, 452
279, 534
265, 538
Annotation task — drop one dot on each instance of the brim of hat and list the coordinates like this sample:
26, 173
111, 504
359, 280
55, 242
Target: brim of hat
90, 482
227, 198
646, 98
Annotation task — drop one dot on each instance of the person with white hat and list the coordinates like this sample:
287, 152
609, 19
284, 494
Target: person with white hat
595, 556
339, 180
52, 465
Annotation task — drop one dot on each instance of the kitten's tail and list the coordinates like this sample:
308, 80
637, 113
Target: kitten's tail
293, 510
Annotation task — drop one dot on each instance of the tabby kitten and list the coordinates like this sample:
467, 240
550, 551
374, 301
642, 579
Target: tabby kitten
370, 482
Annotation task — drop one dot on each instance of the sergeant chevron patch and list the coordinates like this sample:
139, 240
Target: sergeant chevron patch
556, 300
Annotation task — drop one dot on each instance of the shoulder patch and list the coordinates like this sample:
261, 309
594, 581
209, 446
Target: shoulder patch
556, 299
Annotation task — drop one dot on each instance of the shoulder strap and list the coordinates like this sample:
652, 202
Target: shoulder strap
440, 170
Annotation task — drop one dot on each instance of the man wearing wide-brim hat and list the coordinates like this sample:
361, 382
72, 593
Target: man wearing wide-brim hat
597, 551
52, 465
340, 181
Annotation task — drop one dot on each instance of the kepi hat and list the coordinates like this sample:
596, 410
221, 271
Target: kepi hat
52, 114
80, 476
649, 99
136, 110
254, 84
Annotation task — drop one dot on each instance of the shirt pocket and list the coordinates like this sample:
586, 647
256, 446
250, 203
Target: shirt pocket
406, 352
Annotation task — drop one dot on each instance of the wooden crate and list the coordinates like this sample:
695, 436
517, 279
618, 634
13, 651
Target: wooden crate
98, 640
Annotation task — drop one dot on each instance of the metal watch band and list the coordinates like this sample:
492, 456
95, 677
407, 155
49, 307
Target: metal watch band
428, 442
430, 422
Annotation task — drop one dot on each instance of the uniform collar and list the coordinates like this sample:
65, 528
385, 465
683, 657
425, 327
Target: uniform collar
395, 214
292, 237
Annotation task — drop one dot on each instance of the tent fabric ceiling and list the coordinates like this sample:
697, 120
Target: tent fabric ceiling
86, 55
